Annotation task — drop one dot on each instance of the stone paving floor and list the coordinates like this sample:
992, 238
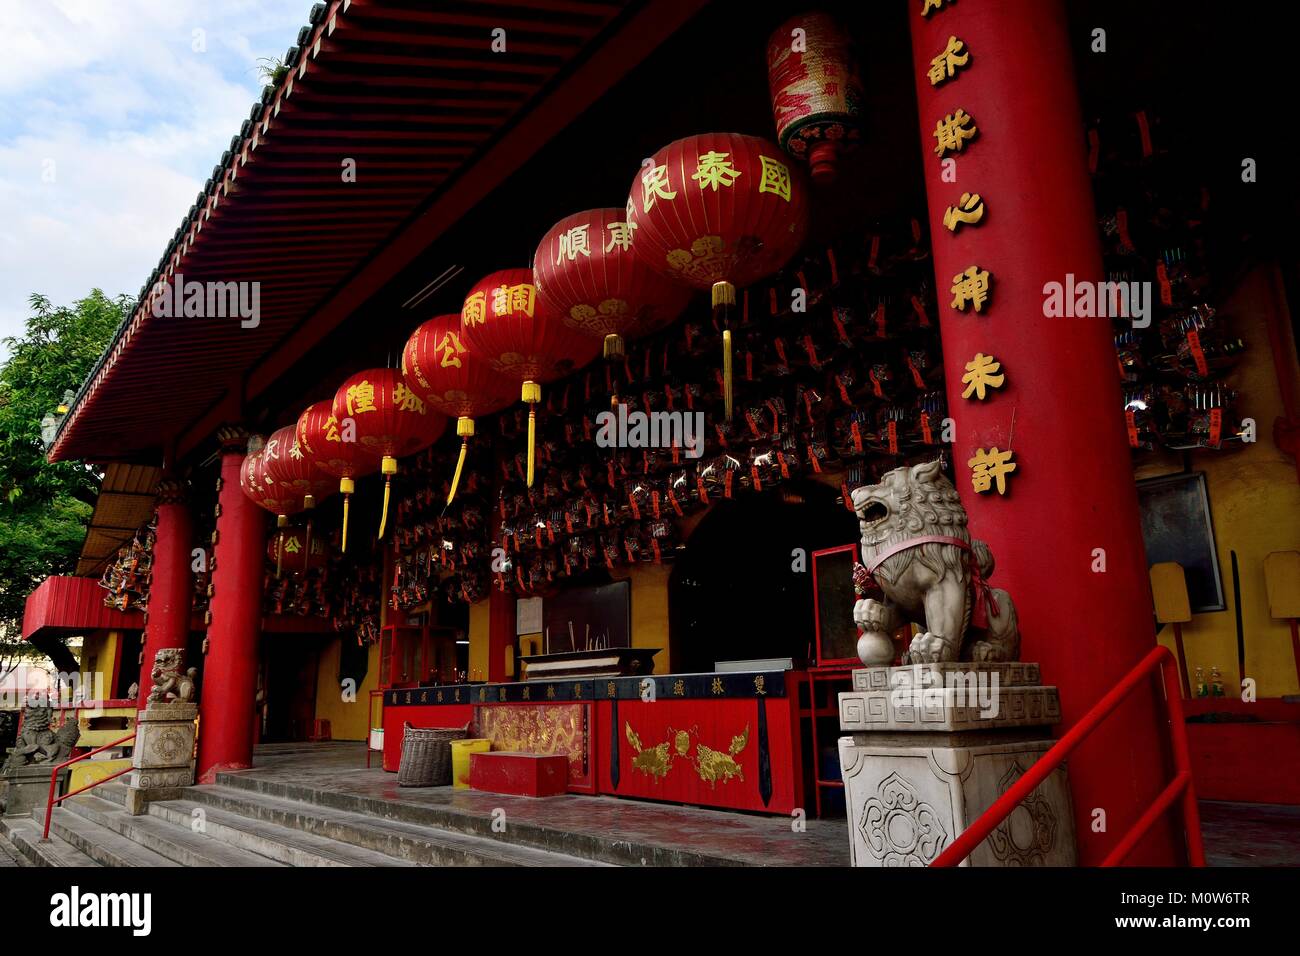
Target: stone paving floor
1250, 834
750, 839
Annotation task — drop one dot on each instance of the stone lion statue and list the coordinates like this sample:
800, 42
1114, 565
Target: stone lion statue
169, 684
37, 743
916, 547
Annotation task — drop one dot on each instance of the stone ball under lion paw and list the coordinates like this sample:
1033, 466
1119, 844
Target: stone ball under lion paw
927, 648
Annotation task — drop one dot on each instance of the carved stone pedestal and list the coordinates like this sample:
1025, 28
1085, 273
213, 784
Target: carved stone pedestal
163, 761
29, 787
932, 746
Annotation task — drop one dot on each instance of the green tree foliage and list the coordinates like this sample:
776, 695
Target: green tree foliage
44, 507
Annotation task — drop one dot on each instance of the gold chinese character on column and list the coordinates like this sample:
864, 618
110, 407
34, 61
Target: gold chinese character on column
952, 132
982, 372
969, 210
944, 66
990, 467
970, 288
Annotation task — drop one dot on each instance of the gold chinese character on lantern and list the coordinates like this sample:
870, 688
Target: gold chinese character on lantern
982, 373
714, 170
944, 66
292, 545
295, 452
952, 132
450, 348
474, 311
776, 177
361, 397
331, 429
654, 186
969, 210
970, 288
407, 400
514, 298
620, 234
573, 243
930, 6
990, 468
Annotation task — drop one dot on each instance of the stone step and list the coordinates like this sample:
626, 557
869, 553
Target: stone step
414, 842
178, 845
288, 846
25, 835
592, 847
97, 841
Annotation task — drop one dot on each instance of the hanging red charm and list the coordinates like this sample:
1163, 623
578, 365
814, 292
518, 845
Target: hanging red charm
453, 380
391, 420
816, 93
586, 271
717, 211
521, 337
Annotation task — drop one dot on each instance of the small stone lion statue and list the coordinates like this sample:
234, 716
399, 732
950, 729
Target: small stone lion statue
916, 547
37, 743
169, 684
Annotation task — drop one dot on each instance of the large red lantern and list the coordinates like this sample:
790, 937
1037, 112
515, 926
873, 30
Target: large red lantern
334, 450
391, 420
453, 379
266, 493
816, 93
586, 271
717, 211
521, 337
289, 468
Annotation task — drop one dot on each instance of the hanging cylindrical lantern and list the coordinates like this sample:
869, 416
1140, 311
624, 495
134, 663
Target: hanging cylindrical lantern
391, 420
266, 493
816, 93
586, 271
717, 211
294, 473
521, 337
332, 447
294, 550
453, 379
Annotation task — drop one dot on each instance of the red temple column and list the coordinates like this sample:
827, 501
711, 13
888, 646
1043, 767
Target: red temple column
226, 698
171, 589
1066, 534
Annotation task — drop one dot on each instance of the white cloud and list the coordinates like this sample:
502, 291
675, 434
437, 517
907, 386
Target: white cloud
109, 124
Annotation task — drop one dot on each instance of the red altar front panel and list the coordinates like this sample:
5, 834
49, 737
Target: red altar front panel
738, 753
397, 716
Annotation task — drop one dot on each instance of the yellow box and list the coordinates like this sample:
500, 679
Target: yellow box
460, 751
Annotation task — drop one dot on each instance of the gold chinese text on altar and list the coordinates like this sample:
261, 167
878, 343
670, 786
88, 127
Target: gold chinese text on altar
968, 211
952, 132
970, 288
989, 470
945, 66
982, 372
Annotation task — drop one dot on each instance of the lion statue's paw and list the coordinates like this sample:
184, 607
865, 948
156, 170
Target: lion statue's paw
927, 648
987, 651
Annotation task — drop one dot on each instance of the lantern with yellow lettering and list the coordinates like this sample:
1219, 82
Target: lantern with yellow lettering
294, 550
717, 211
586, 271
294, 473
332, 447
453, 379
522, 337
266, 493
816, 93
391, 420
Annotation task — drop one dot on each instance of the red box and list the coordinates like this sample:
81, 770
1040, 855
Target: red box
526, 775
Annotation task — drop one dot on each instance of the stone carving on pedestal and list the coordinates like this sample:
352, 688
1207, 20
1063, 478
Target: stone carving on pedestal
169, 684
35, 754
163, 760
899, 829
917, 549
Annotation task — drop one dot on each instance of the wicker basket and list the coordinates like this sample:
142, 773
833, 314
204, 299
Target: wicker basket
426, 755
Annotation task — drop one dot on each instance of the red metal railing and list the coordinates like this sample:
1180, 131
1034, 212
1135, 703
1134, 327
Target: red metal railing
1179, 787
54, 777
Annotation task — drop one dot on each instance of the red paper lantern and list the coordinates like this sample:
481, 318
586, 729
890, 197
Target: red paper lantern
453, 379
334, 450
816, 93
717, 211
293, 550
521, 337
260, 488
391, 420
586, 271
289, 468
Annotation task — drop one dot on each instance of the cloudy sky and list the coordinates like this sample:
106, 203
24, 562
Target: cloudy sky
112, 114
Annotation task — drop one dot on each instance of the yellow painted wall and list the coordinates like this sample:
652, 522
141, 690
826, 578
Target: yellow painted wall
349, 720
650, 610
478, 640
1255, 507
101, 647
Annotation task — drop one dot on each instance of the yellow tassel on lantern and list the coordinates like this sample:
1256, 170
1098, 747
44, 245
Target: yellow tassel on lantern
724, 297
280, 522
346, 487
388, 468
465, 430
532, 394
